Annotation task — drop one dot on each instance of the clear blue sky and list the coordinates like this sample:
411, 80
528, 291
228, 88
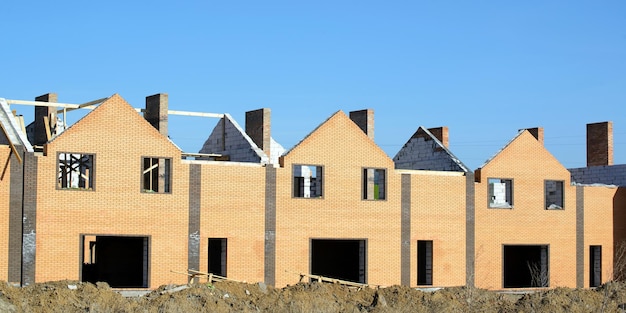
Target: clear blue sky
483, 68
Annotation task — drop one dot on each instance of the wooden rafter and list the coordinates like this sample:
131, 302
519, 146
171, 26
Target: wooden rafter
13, 149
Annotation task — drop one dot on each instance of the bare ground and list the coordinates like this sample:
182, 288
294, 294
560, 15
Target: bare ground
71, 296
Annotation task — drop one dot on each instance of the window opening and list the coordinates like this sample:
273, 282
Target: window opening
595, 266
217, 256
156, 175
307, 181
500, 193
554, 195
374, 184
75, 171
425, 262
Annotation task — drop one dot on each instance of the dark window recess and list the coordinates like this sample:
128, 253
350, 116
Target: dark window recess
75, 171
340, 259
425, 262
595, 266
526, 266
374, 184
156, 175
554, 195
307, 181
217, 256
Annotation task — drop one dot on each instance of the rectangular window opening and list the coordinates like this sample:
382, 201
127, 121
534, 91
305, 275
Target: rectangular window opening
595, 266
217, 256
500, 193
554, 194
374, 184
425, 262
75, 171
156, 175
307, 181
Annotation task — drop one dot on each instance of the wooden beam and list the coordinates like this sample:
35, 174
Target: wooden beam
43, 104
189, 113
20, 120
206, 155
86, 105
199, 114
13, 149
46, 123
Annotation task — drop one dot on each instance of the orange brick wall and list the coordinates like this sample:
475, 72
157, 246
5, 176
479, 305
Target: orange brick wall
438, 214
526, 162
233, 207
619, 215
343, 150
599, 227
5, 175
119, 137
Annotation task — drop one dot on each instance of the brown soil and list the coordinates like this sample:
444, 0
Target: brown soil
71, 296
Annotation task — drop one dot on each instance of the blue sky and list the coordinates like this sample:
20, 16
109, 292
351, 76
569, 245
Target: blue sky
483, 68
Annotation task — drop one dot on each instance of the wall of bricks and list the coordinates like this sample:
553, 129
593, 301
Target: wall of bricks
233, 207
438, 214
269, 231
598, 204
600, 144
4, 213
116, 206
340, 213
528, 164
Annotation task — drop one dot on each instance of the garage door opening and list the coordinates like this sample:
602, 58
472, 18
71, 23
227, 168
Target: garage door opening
340, 259
120, 261
526, 266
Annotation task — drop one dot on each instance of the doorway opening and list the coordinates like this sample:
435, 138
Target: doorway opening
526, 266
425, 262
595, 266
217, 256
339, 258
120, 261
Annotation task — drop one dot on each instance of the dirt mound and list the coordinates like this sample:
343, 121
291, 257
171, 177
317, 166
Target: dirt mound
72, 296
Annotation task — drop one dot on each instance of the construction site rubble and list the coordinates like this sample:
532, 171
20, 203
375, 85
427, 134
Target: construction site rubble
73, 296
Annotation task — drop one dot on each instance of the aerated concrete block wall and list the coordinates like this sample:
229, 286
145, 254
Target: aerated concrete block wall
607, 175
229, 139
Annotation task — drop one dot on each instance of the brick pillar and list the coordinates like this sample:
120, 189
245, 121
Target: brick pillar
258, 125
537, 132
156, 112
600, 144
41, 137
441, 133
365, 120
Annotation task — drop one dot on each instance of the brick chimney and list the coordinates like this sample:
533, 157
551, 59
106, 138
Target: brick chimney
441, 133
600, 144
537, 132
258, 128
156, 112
365, 120
39, 126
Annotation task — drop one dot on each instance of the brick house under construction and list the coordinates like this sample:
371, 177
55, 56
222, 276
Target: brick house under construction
111, 198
